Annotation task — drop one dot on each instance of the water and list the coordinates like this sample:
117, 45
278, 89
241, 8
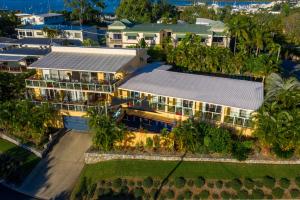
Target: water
42, 6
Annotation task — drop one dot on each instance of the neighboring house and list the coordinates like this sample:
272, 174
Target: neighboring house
123, 33
41, 19
47, 42
74, 79
64, 32
17, 59
158, 98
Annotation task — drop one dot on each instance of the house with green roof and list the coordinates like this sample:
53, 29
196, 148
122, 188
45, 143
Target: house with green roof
123, 33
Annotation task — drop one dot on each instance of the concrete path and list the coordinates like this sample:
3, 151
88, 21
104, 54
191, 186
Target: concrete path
55, 176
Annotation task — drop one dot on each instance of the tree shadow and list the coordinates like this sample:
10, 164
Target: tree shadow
165, 180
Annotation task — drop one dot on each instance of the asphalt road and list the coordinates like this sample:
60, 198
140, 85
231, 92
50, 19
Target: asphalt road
8, 194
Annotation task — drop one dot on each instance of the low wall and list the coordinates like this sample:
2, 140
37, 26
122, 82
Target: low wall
38, 153
91, 158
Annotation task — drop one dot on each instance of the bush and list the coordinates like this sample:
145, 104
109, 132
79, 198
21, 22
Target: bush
139, 183
124, 190
204, 194
117, 183
210, 185
199, 182
258, 184
284, 182
170, 194
241, 150
283, 153
190, 183
149, 142
153, 193
156, 183
219, 184
297, 181
236, 184
268, 181
188, 194
217, 139
131, 183
228, 184
148, 182
171, 183
138, 192
124, 182
156, 141
243, 194
277, 192
257, 194
180, 182
295, 193
225, 195
108, 184
180, 197
107, 191
196, 197
215, 196
249, 183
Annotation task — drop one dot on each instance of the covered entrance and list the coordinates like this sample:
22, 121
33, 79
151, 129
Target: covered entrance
76, 123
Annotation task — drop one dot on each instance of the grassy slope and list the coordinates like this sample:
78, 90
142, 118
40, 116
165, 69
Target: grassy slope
28, 159
140, 168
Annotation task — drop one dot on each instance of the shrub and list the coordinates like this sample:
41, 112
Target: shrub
241, 150
228, 184
219, 184
284, 182
204, 194
131, 183
180, 197
210, 185
170, 194
162, 197
283, 153
124, 182
139, 183
297, 181
179, 182
268, 181
249, 183
153, 193
171, 183
124, 190
257, 194
258, 184
295, 193
188, 194
225, 195
117, 183
149, 142
138, 192
102, 182
236, 184
190, 183
107, 191
156, 183
148, 182
242, 194
200, 182
215, 196
196, 197
156, 141
108, 184
277, 192
217, 140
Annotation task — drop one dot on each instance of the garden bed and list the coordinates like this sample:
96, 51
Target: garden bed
222, 180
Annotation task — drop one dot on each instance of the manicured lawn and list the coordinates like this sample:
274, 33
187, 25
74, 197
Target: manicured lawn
160, 169
27, 159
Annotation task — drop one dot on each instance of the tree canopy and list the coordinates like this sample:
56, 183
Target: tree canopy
8, 23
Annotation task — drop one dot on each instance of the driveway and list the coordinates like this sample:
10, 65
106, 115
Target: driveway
55, 176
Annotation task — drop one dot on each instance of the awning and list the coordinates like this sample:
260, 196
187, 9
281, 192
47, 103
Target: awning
131, 34
149, 34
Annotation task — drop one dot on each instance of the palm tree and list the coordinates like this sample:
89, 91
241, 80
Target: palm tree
51, 33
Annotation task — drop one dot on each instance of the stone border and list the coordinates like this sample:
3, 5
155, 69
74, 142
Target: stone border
92, 158
38, 153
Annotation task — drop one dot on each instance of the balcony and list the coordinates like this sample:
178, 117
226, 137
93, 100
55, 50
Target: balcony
79, 107
14, 69
115, 41
34, 82
238, 121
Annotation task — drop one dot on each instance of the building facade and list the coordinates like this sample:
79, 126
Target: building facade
74, 79
64, 32
122, 34
41, 19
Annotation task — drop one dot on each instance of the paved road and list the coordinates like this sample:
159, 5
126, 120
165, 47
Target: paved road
55, 175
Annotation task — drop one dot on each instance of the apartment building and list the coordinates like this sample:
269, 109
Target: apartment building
159, 98
64, 31
123, 33
74, 79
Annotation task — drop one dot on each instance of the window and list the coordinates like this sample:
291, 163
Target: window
149, 38
131, 37
117, 36
213, 108
22, 33
54, 74
29, 34
117, 46
134, 95
244, 113
39, 33
161, 99
77, 35
187, 104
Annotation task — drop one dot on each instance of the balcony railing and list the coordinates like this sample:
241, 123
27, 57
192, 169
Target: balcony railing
92, 87
238, 121
69, 106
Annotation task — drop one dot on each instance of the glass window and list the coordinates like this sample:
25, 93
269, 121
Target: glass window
39, 33
29, 34
54, 74
187, 104
117, 36
161, 99
213, 108
244, 113
22, 33
149, 38
134, 95
131, 37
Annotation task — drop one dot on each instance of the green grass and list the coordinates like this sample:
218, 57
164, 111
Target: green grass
28, 159
209, 170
